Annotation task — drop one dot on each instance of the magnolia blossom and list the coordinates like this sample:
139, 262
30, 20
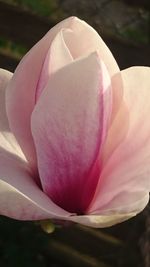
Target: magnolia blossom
74, 132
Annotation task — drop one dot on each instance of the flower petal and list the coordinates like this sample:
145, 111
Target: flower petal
69, 124
127, 171
82, 40
21, 93
8, 141
57, 57
111, 217
101, 221
20, 197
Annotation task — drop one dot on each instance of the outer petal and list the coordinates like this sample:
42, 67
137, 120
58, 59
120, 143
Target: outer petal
21, 92
126, 174
8, 141
111, 217
69, 124
101, 221
20, 197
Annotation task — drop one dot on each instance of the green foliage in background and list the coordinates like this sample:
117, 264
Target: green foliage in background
135, 33
41, 7
12, 49
44, 8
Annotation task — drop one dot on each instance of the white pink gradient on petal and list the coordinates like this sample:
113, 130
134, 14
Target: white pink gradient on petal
127, 169
69, 124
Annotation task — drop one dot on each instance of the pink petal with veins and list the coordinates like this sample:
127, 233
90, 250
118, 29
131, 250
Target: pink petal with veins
69, 124
126, 172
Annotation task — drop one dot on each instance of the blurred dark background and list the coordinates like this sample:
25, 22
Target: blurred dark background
125, 27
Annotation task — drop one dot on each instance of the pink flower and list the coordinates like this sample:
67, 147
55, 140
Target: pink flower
74, 132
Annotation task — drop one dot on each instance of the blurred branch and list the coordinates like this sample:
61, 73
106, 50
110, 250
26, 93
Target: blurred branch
72, 257
101, 235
